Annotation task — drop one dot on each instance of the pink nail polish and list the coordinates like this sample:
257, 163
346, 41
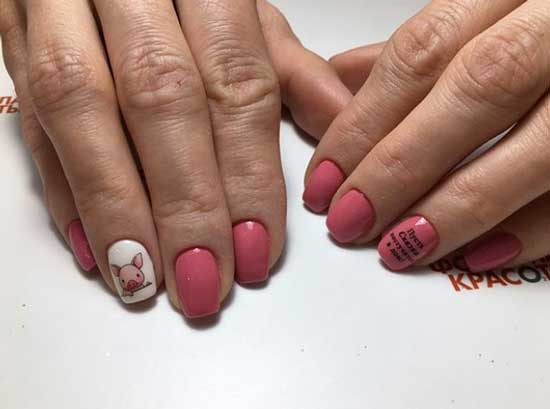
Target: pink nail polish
350, 217
407, 242
251, 243
323, 183
492, 251
80, 246
198, 283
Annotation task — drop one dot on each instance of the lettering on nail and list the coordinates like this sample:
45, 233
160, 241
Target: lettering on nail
405, 246
130, 276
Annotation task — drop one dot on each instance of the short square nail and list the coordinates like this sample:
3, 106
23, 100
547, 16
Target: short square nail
492, 252
350, 217
80, 246
323, 183
198, 283
132, 270
407, 242
251, 243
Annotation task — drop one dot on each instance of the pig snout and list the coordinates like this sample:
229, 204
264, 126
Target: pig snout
132, 285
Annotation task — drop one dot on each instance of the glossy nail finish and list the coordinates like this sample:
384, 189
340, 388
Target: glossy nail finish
198, 283
408, 242
493, 251
323, 183
132, 270
80, 246
251, 243
350, 217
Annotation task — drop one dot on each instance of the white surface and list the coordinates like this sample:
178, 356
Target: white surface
332, 329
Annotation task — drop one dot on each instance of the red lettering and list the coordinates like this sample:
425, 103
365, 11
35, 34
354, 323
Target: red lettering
475, 279
505, 275
492, 279
457, 283
442, 266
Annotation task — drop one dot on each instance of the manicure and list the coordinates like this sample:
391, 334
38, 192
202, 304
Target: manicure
132, 270
350, 217
251, 242
407, 242
80, 246
323, 183
198, 283
493, 251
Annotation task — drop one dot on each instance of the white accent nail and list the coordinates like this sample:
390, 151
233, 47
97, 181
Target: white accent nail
132, 270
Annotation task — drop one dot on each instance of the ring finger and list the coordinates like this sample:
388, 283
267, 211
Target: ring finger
73, 97
163, 101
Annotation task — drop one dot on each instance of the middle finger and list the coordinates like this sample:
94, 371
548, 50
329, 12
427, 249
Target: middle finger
163, 101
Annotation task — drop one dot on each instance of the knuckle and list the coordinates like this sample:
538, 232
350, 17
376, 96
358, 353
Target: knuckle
255, 181
59, 76
467, 193
239, 78
155, 77
394, 160
200, 203
501, 67
356, 132
105, 193
424, 45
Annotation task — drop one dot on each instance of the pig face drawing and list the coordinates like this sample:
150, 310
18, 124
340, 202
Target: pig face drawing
130, 276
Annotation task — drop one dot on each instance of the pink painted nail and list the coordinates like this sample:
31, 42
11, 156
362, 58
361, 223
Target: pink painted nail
198, 283
350, 217
251, 243
407, 242
322, 185
493, 251
80, 246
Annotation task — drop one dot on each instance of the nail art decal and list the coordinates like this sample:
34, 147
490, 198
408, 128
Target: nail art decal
132, 270
407, 242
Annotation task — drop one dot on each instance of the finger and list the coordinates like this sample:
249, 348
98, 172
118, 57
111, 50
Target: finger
489, 86
476, 198
354, 66
521, 238
406, 71
56, 191
244, 101
163, 102
73, 97
310, 87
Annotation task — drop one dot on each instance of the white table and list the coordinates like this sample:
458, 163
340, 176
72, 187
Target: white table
331, 330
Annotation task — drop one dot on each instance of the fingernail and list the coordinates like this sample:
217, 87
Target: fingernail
80, 246
132, 270
350, 217
323, 183
407, 242
198, 283
251, 243
493, 251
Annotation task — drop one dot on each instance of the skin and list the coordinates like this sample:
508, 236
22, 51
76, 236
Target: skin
222, 77
450, 79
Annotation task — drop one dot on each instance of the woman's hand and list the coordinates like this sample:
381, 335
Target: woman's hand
449, 80
193, 97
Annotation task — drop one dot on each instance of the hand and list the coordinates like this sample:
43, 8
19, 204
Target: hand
200, 102
448, 81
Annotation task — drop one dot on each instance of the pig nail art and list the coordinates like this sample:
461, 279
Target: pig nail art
132, 270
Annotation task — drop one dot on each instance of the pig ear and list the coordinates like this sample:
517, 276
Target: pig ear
115, 270
138, 260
